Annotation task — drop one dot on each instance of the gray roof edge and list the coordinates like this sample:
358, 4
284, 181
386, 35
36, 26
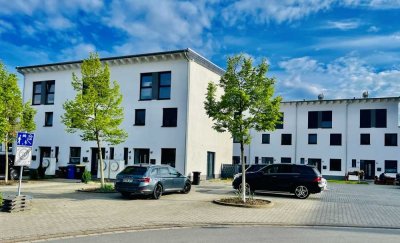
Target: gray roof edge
192, 54
392, 98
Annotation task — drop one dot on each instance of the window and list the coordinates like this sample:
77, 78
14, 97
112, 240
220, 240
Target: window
235, 160
353, 163
48, 119
140, 117
168, 156
391, 139
286, 139
365, 139
236, 140
335, 165
155, 86
126, 151
265, 139
256, 160
74, 155
280, 124
43, 92
111, 152
286, 160
390, 166
267, 160
319, 119
312, 138
164, 89
170, 117
373, 118
336, 139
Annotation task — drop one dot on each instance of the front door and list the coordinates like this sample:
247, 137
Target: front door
142, 156
316, 163
210, 164
95, 160
368, 166
44, 152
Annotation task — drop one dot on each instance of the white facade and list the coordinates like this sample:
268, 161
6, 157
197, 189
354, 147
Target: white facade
374, 158
192, 137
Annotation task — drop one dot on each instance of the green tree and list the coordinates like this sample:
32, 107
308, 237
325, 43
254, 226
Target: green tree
15, 116
96, 110
247, 102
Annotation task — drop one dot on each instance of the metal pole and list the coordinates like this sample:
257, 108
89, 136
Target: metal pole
20, 180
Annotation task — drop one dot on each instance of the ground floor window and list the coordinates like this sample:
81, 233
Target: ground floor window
267, 160
390, 166
168, 156
286, 160
335, 165
74, 155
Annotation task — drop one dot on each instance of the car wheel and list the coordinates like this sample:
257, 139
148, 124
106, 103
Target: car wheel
187, 187
301, 192
125, 194
157, 192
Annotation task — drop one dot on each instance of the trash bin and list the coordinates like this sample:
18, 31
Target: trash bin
196, 178
79, 171
71, 169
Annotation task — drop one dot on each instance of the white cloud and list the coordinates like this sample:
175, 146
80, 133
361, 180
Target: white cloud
345, 77
77, 52
343, 25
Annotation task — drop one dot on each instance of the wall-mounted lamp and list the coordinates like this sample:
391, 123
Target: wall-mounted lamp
87, 151
130, 151
35, 150
52, 150
151, 152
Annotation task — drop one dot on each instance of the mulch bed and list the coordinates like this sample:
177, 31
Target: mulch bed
237, 202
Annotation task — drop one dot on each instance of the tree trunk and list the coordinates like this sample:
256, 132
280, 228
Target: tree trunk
6, 172
243, 172
101, 162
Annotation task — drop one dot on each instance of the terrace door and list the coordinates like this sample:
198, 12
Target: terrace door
368, 166
316, 163
95, 160
210, 165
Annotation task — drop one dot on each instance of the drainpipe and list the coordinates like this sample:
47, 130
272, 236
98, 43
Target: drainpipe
347, 137
295, 134
187, 113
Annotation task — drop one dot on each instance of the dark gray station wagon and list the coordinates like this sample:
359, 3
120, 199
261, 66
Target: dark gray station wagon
153, 180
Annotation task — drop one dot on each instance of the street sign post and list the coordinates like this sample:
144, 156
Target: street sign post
23, 155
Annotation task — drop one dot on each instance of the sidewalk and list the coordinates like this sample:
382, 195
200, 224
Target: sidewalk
58, 210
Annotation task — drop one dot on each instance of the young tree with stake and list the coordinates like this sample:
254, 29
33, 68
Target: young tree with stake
247, 102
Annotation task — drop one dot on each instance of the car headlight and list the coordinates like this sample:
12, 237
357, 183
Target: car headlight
237, 176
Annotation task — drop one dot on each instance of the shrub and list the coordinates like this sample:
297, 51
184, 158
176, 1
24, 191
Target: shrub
107, 188
1, 199
33, 174
86, 176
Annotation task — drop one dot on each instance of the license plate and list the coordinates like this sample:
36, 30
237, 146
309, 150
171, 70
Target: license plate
127, 180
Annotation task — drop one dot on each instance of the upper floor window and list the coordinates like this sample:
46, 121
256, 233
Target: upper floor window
170, 117
312, 138
280, 124
48, 119
391, 139
140, 117
286, 139
365, 139
373, 118
155, 86
43, 92
320, 119
265, 138
336, 139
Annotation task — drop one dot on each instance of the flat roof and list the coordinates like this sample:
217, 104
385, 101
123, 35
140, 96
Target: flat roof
153, 56
352, 100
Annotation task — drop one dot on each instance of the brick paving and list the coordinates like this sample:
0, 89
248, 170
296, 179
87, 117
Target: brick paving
58, 210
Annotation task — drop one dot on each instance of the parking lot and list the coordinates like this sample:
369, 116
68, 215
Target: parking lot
58, 210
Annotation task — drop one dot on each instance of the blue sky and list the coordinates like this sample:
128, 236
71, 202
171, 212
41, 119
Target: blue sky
339, 48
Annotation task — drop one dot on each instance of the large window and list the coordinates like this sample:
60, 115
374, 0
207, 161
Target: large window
312, 138
335, 165
319, 119
140, 117
286, 139
365, 139
390, 166
48, 119
155, 86
74, 155
336, 139
391, 139
170, 117
265, 138
280, 124
373, 118
267, 160
43, 92
168, 156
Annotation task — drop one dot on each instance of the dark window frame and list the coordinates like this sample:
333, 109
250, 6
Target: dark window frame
164, 156
389, 139
373, 118
161, 86
310, 140
143, 87
394, 169
286, 160
48, 123
71, 153
140, 122
320, 119
281, 121
267, 160
333, 166
333, 139
170, 123
45, 92
265, 138
365, 139
34, 93
284, 139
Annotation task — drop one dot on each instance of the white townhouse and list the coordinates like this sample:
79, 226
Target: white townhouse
337, 136
163, 95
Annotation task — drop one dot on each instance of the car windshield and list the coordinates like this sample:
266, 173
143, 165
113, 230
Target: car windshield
134, 170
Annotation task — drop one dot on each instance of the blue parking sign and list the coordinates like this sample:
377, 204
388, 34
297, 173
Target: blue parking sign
25, 139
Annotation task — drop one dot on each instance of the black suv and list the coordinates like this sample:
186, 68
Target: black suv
298, 179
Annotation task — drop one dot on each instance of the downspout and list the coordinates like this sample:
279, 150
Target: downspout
347, 137
295, 133
187, 113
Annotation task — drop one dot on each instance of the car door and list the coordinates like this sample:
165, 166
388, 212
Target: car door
284, 178
178, 180
165, 178
265, 182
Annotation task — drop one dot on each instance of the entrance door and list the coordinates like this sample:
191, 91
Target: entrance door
44, 152
368, 166
316, 163
95, 160
142, 156
210, 165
